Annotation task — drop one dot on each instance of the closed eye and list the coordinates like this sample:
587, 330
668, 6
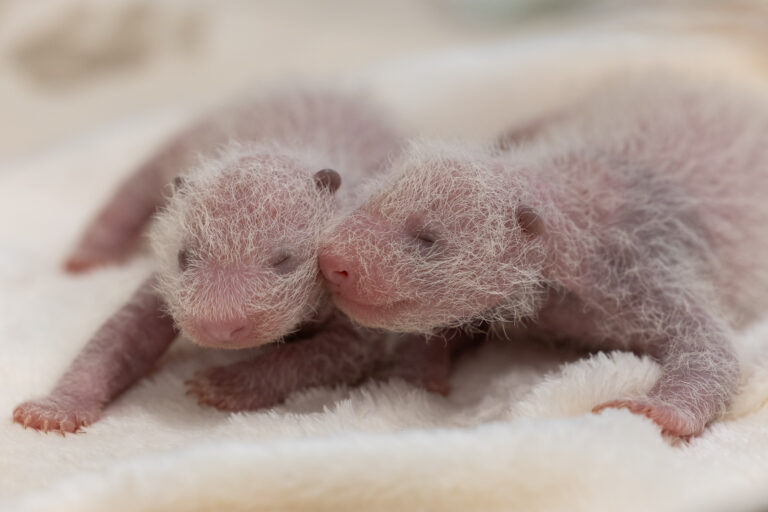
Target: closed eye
423, 235
426, 238
283, 263
183, 258
426, 242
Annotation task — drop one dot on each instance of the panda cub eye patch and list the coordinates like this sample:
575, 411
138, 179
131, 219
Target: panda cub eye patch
426, 238
283, 263
183, 258
423, 236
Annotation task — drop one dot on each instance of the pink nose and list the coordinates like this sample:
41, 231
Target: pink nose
334, 269
225, 330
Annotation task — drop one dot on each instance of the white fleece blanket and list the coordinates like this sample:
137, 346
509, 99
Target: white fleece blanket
515, 433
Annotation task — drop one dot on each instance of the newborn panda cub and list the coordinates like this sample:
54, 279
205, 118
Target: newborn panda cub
635, 220
237, 247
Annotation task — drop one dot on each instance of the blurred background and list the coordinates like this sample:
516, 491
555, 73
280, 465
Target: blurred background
69, 67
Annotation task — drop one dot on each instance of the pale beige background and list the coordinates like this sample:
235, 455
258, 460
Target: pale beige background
68, 66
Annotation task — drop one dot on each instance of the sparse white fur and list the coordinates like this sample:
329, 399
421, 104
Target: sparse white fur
251, 200
454, 190
236, 215
692, 159
651, 194
237, 243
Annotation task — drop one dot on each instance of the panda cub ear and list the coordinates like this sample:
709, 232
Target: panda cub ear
328, 179
179, 184
529, 221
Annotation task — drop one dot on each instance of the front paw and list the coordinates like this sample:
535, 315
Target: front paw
229, 388
87, 258
674, 421
55, 415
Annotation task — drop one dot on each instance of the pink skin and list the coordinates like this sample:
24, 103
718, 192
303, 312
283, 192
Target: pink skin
340, 353
426, 361
367, 303
226, 302
626, 249
699, 370
121, 352
223, 275
698, 377
375, 302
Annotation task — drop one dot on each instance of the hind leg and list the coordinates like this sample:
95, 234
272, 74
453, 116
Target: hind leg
116, 231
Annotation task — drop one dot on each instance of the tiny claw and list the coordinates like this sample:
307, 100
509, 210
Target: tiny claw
672, 423
27, 420
45, 426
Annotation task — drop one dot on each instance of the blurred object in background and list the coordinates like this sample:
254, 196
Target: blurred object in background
76, 41
717, 15
71, 66
745, 20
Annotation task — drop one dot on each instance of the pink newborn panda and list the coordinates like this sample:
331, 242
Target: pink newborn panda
635, 221
236, 238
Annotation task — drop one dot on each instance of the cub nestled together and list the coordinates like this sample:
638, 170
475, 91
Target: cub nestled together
632, 220
635, 220
237, 247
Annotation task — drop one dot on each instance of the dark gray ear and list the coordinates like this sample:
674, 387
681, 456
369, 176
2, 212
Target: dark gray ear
328, 179
529, 221
179, 182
